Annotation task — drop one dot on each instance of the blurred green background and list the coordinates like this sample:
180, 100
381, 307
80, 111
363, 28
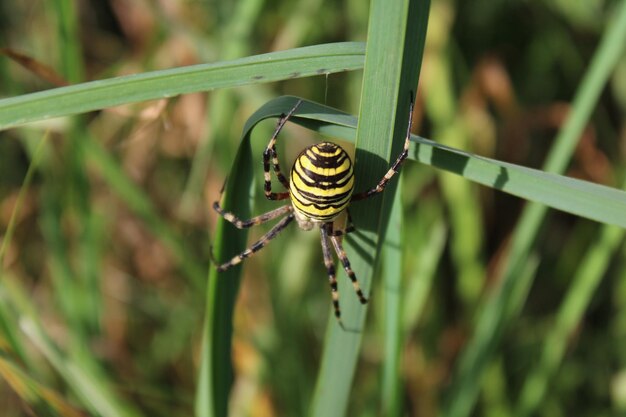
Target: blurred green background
109, 249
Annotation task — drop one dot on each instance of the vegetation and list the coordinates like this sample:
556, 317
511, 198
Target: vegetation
497, 271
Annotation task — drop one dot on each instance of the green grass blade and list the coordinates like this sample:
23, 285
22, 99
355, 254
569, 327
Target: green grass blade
593, 201
464, 391
393, 292
395, 43
95, 95
216, 374
582, 198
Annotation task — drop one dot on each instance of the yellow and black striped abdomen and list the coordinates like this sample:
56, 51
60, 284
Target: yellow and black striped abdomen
321, 182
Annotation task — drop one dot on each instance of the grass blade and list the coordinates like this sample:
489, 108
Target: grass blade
95, 95
393, 293
582, 198
216, 374
396, 35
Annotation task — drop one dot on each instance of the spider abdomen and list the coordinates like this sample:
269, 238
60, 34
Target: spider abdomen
321, 183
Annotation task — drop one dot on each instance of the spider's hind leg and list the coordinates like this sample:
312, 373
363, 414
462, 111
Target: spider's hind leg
343, 257
330, 269
348, 229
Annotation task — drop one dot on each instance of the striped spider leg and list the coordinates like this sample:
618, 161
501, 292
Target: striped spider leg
242, 224
264, 240
395, 167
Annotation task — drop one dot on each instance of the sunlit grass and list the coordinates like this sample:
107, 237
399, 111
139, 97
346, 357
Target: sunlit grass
107, 305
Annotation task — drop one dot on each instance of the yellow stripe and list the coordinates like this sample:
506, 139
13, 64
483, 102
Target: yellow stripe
299, 185
316, 213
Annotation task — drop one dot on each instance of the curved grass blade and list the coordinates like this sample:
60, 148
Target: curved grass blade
95, 95
582, 198
216, 374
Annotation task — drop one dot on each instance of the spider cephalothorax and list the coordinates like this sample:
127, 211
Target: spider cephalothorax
320, 189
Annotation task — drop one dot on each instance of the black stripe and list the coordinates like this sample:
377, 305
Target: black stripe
326, 147
314, 198
327, 161
319, 186
321, 206
323, 162
316, 179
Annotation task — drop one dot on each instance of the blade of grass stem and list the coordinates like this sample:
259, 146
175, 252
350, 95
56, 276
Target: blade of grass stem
393, 292
395, 43
582, 198
85, 304
95, 95
216, 374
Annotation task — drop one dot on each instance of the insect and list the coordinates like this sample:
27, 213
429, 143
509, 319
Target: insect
320, 188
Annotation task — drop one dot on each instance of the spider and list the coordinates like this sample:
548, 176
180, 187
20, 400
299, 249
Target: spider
320, 188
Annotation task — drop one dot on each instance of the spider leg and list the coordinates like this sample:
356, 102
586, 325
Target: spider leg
259, 244
330, 269
341, 253
396, 165
243, 224
270, 152
349, 228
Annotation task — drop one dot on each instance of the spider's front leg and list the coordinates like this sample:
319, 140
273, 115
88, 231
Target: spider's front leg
270, 153
396, 165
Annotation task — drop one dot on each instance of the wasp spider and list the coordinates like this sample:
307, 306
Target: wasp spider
320, 188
